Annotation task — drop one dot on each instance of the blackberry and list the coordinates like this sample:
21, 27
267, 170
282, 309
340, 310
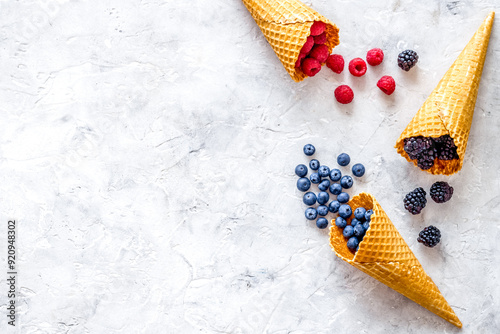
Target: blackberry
441, 192
407, 59
415, 201
426, 159
429, 236
415, 146
446, 148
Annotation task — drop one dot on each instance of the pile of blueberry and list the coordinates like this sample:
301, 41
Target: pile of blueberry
329, 181
355, 230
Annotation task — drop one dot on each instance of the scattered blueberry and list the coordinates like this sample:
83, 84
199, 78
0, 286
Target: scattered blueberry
315, 178
309, 149
340, 222
359, 213
301, 170
354, 222
309, 198
334, 206
368, 215
346, 181
343, 159
324, 171
311, 213
352, 244
345, 211
358, 170
314, 164
359, 231
322, 223
366, 225
335, 188
323, 197
303, 184
335, 175
322, 210
324, 185
343, 197
348, 231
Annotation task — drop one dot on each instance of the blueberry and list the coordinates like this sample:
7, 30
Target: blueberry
309, 198
311, 213
301, 170
314, 164
334, 206
324, 171
309, 149
340, 222
366, 226
335, 188
322, 223
335, 175
343, 197
352, 244
358, 170
359, 213
343, 159
368, 214
315, 178
346, 182
303, 184
355, 222
348, 231
324, 185
322, 210
323, 197
359, 231
345, 211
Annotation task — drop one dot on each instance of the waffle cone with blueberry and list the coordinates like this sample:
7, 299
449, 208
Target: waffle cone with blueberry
384, 255
449, 109
286, 24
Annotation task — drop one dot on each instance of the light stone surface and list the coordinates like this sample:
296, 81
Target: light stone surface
148, 152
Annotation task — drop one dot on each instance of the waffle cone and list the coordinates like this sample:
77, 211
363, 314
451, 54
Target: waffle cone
286, 24
450, 107
384, 255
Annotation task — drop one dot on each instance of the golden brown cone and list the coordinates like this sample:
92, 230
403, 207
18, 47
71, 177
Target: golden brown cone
286, 24
384, 255
450, 107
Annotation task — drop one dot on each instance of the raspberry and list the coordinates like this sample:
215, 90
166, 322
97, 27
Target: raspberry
415, 201
317, 28
335, 63
311, 67
344, 94
407, 59
357, 67
387, 84
308, 45
319, 52
441, 192
374, 57
430, 236
320, 39
301, 57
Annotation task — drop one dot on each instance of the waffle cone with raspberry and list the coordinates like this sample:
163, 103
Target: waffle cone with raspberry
286, 24
450, 107
384, 255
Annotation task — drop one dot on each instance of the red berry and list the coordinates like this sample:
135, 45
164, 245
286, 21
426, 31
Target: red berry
319, 52
301, 57
374, 57
320, 39
387, 84
335, 63
308, 45
344, 94
317, 28
311, 67
357, 67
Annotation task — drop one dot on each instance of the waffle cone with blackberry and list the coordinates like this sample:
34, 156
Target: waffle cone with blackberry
384, 255
450, 107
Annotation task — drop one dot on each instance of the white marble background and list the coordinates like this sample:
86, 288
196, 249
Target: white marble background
148, 150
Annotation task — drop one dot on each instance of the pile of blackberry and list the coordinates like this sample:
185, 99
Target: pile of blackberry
427, 149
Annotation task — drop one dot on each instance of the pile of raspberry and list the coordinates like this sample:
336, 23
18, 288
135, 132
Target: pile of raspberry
427, 149
314, 52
